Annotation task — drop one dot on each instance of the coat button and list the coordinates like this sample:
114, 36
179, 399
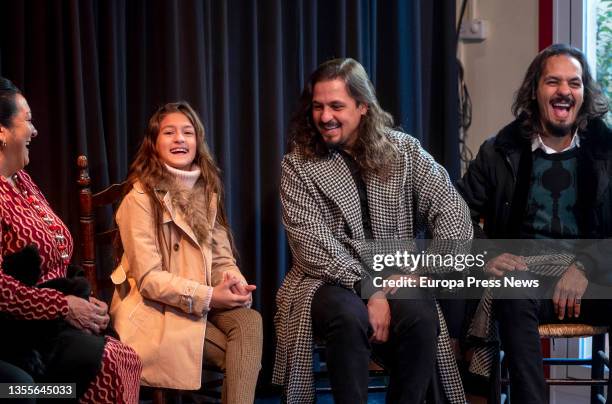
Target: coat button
176, 247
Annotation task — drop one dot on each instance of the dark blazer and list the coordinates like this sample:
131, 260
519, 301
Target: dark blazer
497, 183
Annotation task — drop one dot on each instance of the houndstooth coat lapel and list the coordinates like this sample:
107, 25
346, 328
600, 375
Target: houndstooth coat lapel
333, 178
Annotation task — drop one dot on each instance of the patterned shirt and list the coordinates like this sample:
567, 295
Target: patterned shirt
21, 224
551, 203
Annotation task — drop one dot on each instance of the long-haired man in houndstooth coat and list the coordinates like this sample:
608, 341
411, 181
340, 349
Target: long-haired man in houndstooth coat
349, 178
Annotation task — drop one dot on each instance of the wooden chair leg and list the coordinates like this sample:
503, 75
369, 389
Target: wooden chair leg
167, 396
159, 396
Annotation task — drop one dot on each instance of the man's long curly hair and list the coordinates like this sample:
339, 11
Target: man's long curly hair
372, 150
525, 105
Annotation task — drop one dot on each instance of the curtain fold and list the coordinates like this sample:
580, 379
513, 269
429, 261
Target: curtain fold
95, 70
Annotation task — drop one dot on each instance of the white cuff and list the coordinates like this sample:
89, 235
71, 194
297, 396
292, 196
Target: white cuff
207, 299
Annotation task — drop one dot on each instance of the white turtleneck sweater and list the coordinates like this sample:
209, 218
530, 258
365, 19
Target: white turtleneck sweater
186, 178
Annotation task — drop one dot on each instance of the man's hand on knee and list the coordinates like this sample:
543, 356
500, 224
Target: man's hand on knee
568, 292
379, 314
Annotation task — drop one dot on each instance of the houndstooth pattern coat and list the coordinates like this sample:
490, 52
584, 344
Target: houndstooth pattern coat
322, 217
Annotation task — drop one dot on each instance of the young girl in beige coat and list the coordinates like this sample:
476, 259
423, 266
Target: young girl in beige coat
180, 300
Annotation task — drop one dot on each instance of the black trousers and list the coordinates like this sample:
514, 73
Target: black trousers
340, 319
12, 374
68, 354
518, 321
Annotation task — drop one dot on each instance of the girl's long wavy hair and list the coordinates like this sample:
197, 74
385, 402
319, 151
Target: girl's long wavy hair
525, 105
372, 150
149, 169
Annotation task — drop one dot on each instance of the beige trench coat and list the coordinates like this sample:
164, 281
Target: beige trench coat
160, 312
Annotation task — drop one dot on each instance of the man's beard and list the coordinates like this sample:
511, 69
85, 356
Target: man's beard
558, 130
340, 144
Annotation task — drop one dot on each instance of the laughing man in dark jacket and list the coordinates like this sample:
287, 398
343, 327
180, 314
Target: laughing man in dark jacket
547, 175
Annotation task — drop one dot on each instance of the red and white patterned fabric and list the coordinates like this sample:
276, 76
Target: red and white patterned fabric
119, 377
20, 224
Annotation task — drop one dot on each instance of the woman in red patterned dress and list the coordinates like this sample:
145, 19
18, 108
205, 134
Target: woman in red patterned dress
105, 370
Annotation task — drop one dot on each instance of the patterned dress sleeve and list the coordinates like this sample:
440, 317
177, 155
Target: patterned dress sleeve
26, 302
30, 303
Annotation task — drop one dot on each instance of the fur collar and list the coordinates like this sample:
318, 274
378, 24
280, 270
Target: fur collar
192, 203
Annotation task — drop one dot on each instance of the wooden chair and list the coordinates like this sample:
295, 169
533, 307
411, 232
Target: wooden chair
89, 239
108, 241
597, 361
